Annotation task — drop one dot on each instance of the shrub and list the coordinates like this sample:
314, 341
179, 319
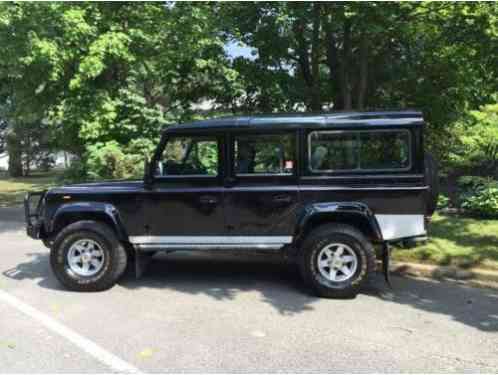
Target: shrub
443, 201
483, 201
473, 182
110, 161
75, 173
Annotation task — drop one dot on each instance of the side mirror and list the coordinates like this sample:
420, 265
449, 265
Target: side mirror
147, 172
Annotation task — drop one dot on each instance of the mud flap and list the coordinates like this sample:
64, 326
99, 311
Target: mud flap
142, 259
386, 254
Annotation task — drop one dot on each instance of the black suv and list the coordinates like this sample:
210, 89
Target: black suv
332, 191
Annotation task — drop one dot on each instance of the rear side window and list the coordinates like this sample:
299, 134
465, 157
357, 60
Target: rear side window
265, 154
379, 150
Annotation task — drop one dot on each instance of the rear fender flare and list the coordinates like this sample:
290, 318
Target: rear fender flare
333, 211
89, 211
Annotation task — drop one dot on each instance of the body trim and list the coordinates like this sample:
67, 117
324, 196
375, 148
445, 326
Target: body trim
211, 240
153, 247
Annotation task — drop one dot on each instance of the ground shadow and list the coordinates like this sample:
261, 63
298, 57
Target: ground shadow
36, 268
225, 276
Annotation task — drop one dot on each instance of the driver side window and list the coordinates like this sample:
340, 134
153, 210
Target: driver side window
189, 156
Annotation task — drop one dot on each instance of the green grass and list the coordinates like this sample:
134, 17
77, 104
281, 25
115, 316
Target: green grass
459, 241
13, 190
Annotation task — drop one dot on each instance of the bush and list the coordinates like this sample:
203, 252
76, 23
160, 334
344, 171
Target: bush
483, 201
443, 201
473, 182
75, 173
109, 161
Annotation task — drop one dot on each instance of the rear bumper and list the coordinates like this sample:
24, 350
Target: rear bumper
32, 211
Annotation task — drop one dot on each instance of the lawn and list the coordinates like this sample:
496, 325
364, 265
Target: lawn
13, 190
459, 241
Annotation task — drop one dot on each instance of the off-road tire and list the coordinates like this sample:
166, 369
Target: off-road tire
115, 258
336, 233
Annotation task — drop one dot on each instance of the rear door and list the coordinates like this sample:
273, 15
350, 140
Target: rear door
261, 192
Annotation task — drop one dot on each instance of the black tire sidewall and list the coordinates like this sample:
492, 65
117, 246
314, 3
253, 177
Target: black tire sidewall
62, 266
320, 281
114, 257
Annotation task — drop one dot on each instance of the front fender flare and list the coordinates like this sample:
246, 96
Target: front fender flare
333, 211
89, 210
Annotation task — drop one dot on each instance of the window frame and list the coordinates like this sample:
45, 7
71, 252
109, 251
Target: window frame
309, 169
215, 137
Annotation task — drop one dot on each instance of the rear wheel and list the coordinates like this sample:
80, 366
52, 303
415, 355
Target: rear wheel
87, 256
337, 261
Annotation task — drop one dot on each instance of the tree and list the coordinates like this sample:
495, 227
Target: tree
99, 73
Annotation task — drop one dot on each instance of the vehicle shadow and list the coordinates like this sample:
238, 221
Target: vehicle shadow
226, 276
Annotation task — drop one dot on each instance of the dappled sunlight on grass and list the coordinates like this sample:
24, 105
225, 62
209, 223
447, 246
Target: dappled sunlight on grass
459, 241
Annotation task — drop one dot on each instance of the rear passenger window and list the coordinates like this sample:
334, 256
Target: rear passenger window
271, 154
379, 150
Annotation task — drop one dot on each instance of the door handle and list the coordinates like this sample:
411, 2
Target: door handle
282, 199
208, 199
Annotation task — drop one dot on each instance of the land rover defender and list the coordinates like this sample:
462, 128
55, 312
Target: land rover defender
332, 191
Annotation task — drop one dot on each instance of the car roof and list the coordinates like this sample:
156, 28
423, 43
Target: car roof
404, 118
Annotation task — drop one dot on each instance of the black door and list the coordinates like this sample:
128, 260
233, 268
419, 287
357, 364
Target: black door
261, 193
185, 202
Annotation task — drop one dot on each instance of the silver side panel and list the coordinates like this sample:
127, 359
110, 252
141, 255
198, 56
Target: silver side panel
211, 240
400, 226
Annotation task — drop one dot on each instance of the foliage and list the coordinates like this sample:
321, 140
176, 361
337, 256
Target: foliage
476, 140
76, 172
483, 201
438, 57
443, 201
110, 161
101, 72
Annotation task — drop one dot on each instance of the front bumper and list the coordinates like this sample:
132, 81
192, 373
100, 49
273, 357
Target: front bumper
33, 203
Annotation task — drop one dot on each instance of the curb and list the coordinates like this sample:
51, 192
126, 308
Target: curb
475, 276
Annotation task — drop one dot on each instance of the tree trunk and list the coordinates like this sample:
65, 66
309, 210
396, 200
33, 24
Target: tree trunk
345, 67
333, 65
362, 86
316, 103
14, 150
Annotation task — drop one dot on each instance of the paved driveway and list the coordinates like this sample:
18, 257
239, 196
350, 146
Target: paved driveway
225, 313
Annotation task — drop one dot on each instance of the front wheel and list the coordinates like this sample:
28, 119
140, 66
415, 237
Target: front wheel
86, 256
337, 261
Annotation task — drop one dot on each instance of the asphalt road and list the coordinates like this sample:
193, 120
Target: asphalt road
193, 313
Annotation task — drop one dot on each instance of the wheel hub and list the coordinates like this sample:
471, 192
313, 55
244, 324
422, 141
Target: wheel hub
337, 262
85, 257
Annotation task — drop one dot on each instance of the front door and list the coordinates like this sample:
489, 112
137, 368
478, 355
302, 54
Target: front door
185, 202
261, 193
